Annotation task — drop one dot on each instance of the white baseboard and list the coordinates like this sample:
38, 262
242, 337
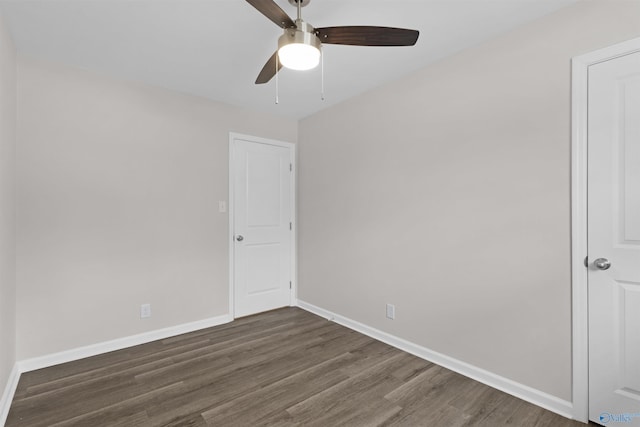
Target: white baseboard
531, 395
9, 391
119, 344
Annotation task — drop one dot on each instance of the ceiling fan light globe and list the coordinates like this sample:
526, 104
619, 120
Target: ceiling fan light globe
299, 56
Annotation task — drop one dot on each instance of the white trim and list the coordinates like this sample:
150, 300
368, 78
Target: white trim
579, 277
579, 247
118, 344
292, 158
9, 392
231, 210
537, 397
293, 296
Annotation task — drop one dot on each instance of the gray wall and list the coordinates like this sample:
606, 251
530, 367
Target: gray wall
7, 205
118, 189
448, 194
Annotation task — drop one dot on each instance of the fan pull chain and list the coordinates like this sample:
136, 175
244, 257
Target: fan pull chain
322, 75
277, 85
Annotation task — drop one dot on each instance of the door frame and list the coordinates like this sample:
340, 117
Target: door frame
233, 136
579, 239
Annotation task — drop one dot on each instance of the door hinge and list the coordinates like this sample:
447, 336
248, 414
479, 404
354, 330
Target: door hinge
290, 226
290, 285
290, 167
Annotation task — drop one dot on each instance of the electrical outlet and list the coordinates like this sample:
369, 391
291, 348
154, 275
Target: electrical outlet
391, 311
222, 206
145, 311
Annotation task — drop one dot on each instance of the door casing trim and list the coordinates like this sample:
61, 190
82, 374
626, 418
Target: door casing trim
230, 211
579, 249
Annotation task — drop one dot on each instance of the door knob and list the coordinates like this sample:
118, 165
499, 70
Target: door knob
239, 238
602, 264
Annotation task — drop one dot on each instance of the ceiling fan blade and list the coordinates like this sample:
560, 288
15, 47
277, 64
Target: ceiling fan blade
368, 36
272, 11
269, 69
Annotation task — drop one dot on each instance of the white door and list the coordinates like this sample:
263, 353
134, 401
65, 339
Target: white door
614, 241
262, 233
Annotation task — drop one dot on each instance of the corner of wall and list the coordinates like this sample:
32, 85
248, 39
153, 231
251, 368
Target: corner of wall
8, 113
9, 391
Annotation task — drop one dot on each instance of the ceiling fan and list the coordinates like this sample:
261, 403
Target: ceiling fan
299, 46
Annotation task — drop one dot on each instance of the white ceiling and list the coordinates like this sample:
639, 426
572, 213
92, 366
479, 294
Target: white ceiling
215, 48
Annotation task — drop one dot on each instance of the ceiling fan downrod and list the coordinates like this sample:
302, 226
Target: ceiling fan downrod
299, 4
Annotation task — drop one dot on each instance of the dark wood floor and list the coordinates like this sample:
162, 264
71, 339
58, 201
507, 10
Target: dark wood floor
282, 368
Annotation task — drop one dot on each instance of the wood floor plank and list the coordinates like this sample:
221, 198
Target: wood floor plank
284, 368
91, 379
336, 405
268, 401
430, 415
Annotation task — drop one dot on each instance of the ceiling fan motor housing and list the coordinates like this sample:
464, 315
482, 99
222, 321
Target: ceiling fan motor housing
303, 34
299, 48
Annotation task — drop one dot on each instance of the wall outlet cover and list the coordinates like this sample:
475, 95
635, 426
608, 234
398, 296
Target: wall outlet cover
145, 311
391, 311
